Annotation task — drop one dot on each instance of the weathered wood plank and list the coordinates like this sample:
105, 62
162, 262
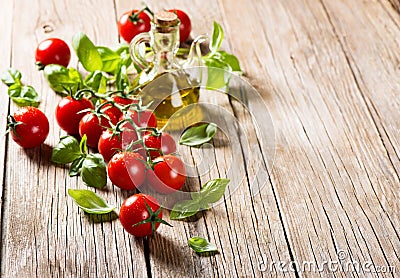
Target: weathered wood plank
46, 235
5, 60
340, 194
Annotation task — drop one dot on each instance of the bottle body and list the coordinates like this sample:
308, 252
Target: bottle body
164, 82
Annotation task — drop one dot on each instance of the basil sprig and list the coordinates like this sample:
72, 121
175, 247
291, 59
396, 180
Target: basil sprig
210, 193
62, 80
201, 245
91, 167
89, 201
22, 95
198, 135
87, 52
218, 61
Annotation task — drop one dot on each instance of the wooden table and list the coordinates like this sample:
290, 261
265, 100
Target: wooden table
329, 74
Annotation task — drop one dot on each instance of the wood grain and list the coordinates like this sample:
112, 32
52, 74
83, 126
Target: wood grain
327, 172
5, 62
338, 196
46, 235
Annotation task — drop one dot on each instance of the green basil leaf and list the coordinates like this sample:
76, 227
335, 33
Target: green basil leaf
82, 144
201, 245
87, 52
122, 48
216, 38
66, 151
97, 81
94, 171
122, 79
217, 73
76, 167
110, 59
23, 95
198, 135
11, 76
61, 79
89, 201
212, 191
184, 209
230, 59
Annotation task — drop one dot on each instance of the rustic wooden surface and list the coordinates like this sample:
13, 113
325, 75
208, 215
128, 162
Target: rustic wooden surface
329, 73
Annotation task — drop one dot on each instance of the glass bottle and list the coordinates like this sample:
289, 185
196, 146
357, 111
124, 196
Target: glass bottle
164, 80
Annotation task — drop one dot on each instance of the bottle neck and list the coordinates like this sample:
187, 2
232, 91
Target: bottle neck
165, 44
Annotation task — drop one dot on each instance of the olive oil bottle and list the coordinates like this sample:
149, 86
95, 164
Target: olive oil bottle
165, 82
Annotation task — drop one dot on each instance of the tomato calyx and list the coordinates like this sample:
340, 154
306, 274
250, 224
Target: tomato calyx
99, 111
12, 125
153, 218
82, 93
134, 17
40, 66
118, 129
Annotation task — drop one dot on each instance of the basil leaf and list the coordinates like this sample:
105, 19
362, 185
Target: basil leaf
198, 135
230, 60
212, 191
87, 52
66, 151
89, 201
97, 81
201, 245
11, 76
94, 171
216, 38
217, 76
110, 59
184, 209
122, 79
61, 79
76, 167
23, 95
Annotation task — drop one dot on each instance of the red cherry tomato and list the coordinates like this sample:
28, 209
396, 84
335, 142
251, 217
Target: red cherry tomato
186, 25
127, 170
93, 128
29, 127
53, 51
67, 113
169, 174
134, 210
121, 101
124, 101
163, 142
142, 119
129, 27
110, 143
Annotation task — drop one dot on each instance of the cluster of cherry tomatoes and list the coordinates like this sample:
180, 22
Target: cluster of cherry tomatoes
122, 130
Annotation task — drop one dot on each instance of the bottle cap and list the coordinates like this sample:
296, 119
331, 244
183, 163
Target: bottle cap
165, 19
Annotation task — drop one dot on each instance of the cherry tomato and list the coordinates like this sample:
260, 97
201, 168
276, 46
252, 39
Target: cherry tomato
169, 174
121, 101
53, 51
110, 143
129, 26
29, 127
163, 142
127, 170
67, 113
134, 210
142, 119
186, 25
93, 128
